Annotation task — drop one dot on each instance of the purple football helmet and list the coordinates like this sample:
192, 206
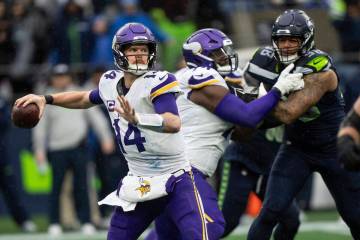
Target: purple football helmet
130, 34
210, 47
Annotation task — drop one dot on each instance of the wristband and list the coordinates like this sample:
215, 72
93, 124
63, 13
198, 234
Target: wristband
49, 99
151, 121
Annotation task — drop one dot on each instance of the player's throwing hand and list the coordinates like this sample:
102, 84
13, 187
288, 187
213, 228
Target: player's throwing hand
32, 98
126, 111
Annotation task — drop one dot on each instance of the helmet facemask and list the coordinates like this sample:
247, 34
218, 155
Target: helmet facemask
225, 60
287, 55
122, 60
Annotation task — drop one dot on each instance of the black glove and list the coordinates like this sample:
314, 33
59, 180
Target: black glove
348, 153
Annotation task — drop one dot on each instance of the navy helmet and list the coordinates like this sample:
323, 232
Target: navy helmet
293, 23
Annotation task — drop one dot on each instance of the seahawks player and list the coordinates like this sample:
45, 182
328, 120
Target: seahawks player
349, 139
312, 117
209, 112
245, 169
142, 108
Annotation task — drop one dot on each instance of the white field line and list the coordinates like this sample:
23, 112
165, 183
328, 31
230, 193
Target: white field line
325, 226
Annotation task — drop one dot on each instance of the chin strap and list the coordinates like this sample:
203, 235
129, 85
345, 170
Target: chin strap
138, 69
288, 59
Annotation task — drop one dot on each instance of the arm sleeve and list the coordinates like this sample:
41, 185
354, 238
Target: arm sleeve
94, 97
236, 111
166, 103
166, 83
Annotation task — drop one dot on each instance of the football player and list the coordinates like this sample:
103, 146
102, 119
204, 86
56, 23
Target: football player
349, 139
142, 108
312, 117
209, 112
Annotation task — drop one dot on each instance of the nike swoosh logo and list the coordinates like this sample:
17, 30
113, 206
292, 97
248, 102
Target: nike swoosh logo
317, 61
162, 78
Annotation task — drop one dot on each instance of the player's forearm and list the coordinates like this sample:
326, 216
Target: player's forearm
234, 110
74, 100
171, 123
316, 85
286, 112
296, 105
165, 106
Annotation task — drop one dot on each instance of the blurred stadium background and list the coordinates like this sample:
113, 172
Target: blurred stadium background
37, 34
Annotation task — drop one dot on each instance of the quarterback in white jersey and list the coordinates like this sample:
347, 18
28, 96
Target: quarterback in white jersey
143, 111
148, 152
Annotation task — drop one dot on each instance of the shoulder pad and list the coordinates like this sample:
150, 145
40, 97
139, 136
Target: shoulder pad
112, 74
314, 61
204, 72
263, 56
162, 82
202, 77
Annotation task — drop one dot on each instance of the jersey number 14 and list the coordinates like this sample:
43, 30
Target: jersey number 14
137, 139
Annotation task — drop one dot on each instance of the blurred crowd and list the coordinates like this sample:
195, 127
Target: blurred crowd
37, 34
75, 36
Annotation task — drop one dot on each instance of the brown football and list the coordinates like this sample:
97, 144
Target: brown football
25, 117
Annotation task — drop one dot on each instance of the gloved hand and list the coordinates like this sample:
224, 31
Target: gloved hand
348, 153
288, 82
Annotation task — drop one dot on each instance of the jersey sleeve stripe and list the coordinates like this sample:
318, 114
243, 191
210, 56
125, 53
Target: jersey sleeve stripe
170, 78
203, 84
261, 72
195, 81
163, 89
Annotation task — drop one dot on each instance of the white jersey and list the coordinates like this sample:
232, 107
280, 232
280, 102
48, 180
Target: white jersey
206, 135
147, 152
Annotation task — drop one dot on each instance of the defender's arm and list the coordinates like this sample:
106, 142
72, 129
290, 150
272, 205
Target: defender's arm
316, 85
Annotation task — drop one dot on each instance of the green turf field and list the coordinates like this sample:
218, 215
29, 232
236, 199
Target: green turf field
320, 225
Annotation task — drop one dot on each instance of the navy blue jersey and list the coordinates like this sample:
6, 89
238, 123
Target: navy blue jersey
317, 128
268, 140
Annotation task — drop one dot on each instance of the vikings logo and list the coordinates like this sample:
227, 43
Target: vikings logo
144, 187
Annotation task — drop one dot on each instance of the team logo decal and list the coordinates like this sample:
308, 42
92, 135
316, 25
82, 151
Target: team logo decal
144, 187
